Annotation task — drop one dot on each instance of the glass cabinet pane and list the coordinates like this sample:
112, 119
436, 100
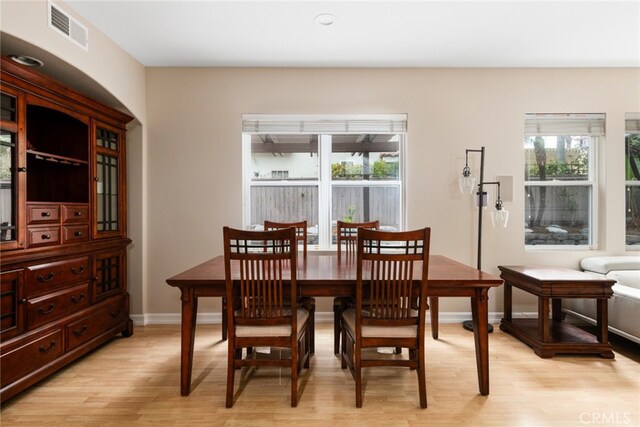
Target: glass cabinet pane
7, 108
107, 139
107, 192
8, 187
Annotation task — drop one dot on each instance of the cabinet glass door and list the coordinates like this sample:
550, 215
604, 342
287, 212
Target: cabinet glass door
108, 176
11, 171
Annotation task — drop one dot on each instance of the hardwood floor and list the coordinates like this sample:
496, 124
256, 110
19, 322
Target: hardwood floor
135, 381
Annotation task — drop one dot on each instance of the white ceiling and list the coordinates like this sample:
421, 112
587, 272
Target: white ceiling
503, 33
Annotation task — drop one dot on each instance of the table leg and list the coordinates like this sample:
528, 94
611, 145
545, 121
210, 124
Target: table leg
543, 319
433, 312
189, 315
602, 331
556, 309
480, 314
508, 298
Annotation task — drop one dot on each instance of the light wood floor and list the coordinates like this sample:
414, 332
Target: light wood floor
135, 381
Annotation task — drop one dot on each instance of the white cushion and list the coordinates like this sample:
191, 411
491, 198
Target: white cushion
349, 317
605, 264
273, 331
630, 278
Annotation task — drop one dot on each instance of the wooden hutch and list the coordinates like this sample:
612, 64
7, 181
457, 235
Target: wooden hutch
62, 226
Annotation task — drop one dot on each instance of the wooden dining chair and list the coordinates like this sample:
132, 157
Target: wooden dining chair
301, 231
263, 302
385, 278
301, 237
346, 238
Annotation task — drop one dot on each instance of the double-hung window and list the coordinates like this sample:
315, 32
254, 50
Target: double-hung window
560, 179
632, 179
323, 169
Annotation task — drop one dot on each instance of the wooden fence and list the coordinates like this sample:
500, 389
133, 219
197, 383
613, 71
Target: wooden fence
284, 204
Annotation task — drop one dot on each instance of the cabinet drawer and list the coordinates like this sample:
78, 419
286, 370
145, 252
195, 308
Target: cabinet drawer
43, 236
42, 277
75, 233
75, 213
87, 328
30, 356
52, 306
43, 214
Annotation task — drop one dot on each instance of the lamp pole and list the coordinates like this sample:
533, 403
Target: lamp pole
480, 203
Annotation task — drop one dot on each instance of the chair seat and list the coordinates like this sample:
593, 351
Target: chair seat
349, 317
275, 330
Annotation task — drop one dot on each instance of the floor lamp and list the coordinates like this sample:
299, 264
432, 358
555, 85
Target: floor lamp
499, 217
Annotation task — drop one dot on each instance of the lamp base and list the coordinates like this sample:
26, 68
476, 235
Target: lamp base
468, 325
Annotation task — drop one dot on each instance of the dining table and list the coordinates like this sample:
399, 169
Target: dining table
325, 275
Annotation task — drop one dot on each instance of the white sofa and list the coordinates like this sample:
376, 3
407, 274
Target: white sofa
624, 305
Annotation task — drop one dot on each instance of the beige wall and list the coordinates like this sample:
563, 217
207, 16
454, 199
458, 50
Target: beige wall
195, 180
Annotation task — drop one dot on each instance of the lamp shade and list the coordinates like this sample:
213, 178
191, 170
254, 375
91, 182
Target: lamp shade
499, 217
467, 184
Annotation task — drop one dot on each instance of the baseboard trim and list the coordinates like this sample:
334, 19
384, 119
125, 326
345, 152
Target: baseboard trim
321, 317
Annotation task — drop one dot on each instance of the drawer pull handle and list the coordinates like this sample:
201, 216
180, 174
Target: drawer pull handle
78, 213
46, 214
80, 332
46, 279
116, 313
44, 349
78, 233
77, 270
48, 310
77, 299
46, 237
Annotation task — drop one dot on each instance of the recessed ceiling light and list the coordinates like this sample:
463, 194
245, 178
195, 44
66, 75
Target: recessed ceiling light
28, 61
325, 19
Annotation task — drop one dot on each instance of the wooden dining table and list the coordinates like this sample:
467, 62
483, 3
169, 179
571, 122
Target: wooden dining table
323, 275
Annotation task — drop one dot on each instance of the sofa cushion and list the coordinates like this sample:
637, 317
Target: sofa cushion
630, 278
605, 264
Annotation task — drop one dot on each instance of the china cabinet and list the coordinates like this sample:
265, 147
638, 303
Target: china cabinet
62, 226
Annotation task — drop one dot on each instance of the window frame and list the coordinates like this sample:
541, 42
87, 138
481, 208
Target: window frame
629, 117
324, 182
592, 182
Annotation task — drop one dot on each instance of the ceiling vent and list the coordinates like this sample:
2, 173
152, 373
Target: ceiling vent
63, 23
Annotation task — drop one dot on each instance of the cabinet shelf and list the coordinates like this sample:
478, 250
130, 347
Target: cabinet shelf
47, 157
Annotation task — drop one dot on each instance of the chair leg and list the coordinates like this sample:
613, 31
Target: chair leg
224, 318
231, 371
337, 326
294, 376
312, 329
422, 383
307, 345
358, 376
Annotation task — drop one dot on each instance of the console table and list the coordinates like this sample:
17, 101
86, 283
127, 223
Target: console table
550, 336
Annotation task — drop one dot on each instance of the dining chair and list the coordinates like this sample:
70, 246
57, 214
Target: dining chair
263, 303
301, 236
346, 237
301, 231
385, 278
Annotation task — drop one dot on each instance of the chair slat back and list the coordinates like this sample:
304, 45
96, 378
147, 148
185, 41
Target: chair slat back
266, 283
386, 265
301, 231
347, 235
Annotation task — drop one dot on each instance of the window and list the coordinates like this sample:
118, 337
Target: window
560, 179
632, 179
323, 169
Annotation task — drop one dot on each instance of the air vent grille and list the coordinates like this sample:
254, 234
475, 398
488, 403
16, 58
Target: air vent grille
61, 22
